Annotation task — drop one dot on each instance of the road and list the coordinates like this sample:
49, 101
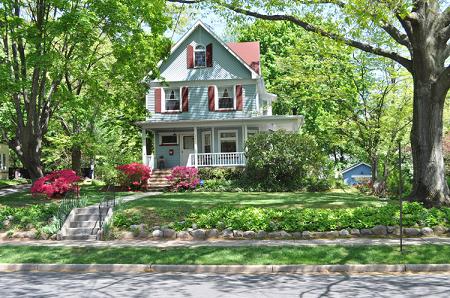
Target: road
213, 285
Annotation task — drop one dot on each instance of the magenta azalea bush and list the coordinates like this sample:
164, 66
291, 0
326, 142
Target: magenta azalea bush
183, 178
134, 176
56, 184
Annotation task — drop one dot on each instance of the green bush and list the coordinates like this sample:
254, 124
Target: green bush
220, 173
304, 219
37, 215
126, 218
284, 161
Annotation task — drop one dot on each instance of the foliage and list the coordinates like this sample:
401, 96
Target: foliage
37, 215
306, 219
55, 184
284, 160
126, 218
220, 173
134, 175
183, 178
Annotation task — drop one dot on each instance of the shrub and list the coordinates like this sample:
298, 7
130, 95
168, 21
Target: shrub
124, 219
183, 178
37, 215
220, 173
283, 161
309, 219
134, 176
55, 184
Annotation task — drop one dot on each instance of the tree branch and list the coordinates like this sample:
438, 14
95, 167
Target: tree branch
311, 28
397, 35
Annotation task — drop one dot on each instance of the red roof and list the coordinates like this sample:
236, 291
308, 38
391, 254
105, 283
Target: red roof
247, 51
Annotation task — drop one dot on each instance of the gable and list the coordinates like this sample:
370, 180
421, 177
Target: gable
225, 64
359, 169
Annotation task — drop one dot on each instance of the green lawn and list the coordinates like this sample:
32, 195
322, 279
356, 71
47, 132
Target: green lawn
168, 207
24, 198
7, 182
423, 254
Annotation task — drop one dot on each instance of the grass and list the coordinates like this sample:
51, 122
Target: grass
423, 254
93, 193
7, 182
168, 207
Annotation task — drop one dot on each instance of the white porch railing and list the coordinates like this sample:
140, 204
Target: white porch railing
229, 159
151, 161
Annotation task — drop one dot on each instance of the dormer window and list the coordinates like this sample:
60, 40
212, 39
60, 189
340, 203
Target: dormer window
200, 56
226, 98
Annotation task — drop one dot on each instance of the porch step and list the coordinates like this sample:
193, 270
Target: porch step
82, 224
79, 237
82, 231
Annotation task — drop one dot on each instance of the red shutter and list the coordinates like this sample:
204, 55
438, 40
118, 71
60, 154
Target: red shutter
158, 100
185, 99
211, 97
239, 98
190, 56
209, 55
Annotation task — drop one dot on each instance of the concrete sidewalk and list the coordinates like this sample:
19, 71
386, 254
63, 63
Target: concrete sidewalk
14, 189
228, 243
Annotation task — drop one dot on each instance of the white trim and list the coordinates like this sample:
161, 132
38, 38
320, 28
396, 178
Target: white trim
227, 139
201, 24
204, 133
181, 141
144, 147
193, 53
361, 176
216, 99
168, 134
354, 166
163, 102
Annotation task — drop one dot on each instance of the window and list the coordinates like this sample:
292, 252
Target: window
207, 142
172, 100
228, 141
200, 56
226, 98
169, 139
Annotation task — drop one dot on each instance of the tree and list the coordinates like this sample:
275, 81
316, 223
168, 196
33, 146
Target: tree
421, 32
49, 47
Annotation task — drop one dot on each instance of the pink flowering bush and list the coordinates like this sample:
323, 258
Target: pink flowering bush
183, 178
56, 184
134, 176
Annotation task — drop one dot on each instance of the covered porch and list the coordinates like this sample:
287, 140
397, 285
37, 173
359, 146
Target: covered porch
213, 143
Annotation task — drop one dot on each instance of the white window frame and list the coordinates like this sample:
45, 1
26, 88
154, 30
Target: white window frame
233, 89
163, 102
219, 132
195, 51
168, 144
204, 140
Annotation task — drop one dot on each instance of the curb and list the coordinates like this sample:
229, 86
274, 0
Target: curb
230, 269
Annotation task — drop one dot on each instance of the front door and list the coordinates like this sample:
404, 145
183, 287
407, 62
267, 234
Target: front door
187, 147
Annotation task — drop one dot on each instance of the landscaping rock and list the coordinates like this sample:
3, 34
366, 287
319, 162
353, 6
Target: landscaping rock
427, 231
4, 236
29, 226
391, 229
157, 234
198, 234
54, 237
366, 232
194, 226
184, 235
213, 233
396, 231
261, 234
156, 228
6, 223
296, 235
344, 233
285, 235
306, 235
355, 232
379, 230
439, 230
221, 225
227, 234
127, 235
249, 234
169, 234
10, 217
279, 235
411, 231
331, 234
238, 234
139, 230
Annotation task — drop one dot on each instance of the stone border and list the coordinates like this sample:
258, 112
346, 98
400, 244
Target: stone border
226, 269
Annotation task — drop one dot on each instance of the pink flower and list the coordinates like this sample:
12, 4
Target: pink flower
55, 184
135, 175
183, 178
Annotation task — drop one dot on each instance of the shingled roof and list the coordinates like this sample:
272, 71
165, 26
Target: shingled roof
249, 52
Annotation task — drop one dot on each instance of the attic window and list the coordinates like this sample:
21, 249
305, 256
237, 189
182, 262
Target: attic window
200, 56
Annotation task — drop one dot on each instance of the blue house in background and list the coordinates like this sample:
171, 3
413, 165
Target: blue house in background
357, 174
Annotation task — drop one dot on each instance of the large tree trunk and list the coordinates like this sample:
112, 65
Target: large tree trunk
28, 149
76, 159
429, 183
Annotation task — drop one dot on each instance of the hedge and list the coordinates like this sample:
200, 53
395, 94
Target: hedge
304, 219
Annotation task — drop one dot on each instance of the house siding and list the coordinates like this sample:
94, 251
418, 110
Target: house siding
4, 154
198, 105
225, 66
359, 170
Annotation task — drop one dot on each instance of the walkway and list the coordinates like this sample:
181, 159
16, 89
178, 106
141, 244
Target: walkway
13, 189
228, 243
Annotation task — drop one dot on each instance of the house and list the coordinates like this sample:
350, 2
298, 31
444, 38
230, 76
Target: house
357, 174
209, 99
4, 161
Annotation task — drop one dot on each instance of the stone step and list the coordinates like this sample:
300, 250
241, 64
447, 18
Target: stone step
79, 237
83, 224
81, 231
86, 217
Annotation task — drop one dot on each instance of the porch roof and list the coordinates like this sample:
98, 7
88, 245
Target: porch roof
296, 120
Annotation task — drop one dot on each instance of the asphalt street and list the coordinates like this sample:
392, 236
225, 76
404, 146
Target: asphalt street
214, 285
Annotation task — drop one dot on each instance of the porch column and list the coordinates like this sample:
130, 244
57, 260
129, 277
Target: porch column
144, 147
244, 136
195, 146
